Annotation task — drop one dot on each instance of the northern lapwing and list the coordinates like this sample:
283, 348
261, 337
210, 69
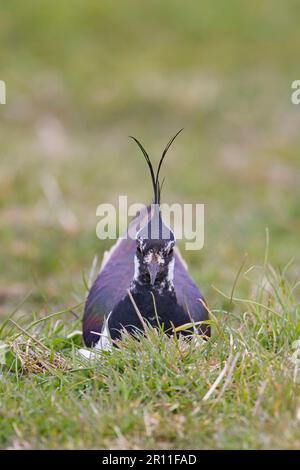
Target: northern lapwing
143, 280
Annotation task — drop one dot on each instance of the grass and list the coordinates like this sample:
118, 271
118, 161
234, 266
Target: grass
230, 392
114, 69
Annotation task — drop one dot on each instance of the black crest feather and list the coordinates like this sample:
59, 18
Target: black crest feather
157, 186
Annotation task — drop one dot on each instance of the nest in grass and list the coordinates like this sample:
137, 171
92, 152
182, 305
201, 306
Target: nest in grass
36, 358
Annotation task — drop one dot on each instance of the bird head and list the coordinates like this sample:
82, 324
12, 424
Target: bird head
154, 252
154, 258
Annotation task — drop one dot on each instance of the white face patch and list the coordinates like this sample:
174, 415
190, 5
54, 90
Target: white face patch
136, 268
171, 271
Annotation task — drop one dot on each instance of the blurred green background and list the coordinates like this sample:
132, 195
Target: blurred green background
81, 76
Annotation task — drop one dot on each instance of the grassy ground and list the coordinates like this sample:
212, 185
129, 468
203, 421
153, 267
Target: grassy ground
79, 81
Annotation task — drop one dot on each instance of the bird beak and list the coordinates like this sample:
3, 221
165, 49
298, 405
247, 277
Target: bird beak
153, 269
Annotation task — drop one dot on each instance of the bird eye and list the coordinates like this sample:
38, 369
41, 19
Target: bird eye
138, 249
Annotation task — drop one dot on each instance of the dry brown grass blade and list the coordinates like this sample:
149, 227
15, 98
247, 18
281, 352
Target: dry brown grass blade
34, 360
34, 356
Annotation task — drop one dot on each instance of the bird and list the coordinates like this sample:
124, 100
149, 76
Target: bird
144, 280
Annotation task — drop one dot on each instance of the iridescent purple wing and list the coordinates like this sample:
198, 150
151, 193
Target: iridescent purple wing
188, 294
